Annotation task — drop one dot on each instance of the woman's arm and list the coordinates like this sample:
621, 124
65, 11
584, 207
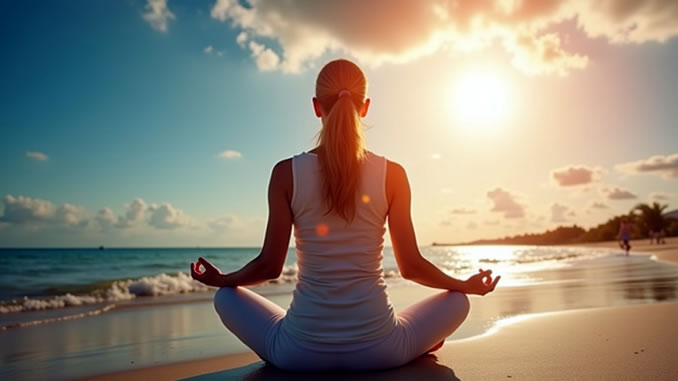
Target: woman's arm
269, 263
410, 261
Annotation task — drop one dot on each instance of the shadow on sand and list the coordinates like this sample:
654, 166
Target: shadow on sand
424, 368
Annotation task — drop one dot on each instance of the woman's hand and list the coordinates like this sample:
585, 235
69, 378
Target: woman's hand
481, 283
211, 276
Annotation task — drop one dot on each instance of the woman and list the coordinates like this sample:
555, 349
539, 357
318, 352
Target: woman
338, 197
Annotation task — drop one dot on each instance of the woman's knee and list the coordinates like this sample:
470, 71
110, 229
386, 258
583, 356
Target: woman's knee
223, 297
460, 302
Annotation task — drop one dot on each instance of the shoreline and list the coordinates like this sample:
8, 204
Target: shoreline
553, 324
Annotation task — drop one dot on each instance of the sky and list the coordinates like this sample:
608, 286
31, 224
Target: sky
157, 123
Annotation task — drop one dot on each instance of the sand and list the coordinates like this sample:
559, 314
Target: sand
621, 343
625, 343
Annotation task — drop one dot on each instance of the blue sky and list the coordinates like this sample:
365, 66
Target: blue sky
105, 103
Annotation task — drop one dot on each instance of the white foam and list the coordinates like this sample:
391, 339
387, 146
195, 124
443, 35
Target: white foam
123, 290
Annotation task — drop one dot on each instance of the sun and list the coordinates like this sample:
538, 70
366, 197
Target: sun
481, 98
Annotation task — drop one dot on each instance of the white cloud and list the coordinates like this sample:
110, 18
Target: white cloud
230, 154
135, 213
37, 156
106, 218
543, 55
241, 39
225, 224
208, 49
375, 32
158, 15
666, 166
265, 58
506, 203
165, 216
71, 215
21, 210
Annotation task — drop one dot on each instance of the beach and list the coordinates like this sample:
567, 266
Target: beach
564, 312
638, 342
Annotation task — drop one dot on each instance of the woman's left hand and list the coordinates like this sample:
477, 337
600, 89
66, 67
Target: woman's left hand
211, 276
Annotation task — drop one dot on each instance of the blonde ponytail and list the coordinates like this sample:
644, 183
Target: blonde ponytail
340, 90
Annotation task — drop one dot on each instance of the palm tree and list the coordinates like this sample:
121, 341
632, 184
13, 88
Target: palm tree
651, 216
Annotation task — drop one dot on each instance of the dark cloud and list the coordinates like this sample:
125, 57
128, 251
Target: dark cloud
665, 166
574, 175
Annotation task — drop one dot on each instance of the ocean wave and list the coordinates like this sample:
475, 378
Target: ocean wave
125, 290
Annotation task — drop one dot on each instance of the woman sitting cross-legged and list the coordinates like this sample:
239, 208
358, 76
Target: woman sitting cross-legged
339, 197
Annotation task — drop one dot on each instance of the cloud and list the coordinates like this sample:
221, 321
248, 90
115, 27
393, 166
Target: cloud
230, 154
616, 193
543, 55
225, 224
24, 210
597, 205
165, 216
665, 166
559, 213
71, 215
158, 15
37, 156
462, 211
505, 202
37, 213
208, 49
106, 218
404, 30
136, 210
265, 58
661, 196
575, 175
241, 39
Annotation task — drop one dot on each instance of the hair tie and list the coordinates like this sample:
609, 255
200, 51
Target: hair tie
343, 92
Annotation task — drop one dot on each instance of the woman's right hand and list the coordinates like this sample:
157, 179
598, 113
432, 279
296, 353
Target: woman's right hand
481, 283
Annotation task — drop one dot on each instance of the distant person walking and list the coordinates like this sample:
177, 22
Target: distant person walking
625, 235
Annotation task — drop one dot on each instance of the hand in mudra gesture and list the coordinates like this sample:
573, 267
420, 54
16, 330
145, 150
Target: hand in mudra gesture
481, 283
210, 276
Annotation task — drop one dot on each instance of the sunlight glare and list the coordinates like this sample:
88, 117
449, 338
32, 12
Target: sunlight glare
481, 99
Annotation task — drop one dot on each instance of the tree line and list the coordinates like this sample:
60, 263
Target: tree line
644, 218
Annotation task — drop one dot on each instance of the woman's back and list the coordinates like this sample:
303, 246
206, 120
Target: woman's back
340, 296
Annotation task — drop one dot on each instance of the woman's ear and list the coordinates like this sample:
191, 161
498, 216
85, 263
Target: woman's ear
317, 108
366, 106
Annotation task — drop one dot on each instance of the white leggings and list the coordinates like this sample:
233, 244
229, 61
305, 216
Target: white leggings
256, 322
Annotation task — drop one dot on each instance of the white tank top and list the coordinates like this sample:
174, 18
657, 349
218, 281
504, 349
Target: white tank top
340, 296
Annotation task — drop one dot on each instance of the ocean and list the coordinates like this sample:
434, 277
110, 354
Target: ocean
68, 313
